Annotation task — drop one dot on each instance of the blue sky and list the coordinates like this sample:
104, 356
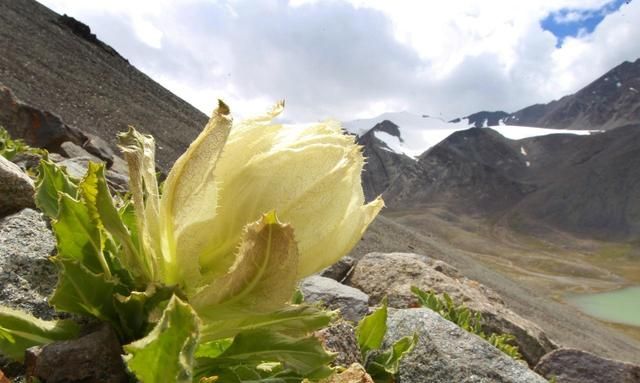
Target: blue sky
350, 59
574, 22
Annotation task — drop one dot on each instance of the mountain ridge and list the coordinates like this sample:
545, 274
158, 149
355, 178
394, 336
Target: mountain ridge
52, 62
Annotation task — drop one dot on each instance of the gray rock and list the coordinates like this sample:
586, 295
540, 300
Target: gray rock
92, 358
340, 337
99, 148
445, 353
393, 274
26, 160
16, 188
77, 166
340, 270
353, 303
27, 277
71, 150
577, 366
119, 166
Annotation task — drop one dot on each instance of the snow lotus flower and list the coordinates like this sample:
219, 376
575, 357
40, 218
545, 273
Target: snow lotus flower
291, 193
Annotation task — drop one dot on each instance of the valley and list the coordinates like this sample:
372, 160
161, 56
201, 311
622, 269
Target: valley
533, 275
559, 265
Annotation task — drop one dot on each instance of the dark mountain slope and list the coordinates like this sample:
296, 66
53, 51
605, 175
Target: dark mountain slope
474, 170
593, 188
55, 64
587, 185
383, 165
611, 101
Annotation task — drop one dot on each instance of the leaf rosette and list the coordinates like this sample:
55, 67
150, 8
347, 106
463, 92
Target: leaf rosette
207, 263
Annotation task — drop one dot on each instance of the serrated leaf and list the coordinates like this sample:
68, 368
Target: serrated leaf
371, 329
292, 320
262, 278
384, 366
99, 203
51, 181
19, 331
304, 356
79, 237
213, 349
166, 353
134, 310
80, 291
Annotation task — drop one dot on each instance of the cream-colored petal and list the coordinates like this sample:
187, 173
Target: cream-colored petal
189, 200
310, 175
139, 152
260, 280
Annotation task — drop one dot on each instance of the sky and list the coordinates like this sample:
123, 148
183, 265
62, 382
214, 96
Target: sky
350, 59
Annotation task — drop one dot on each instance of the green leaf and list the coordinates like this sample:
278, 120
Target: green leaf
385, 365
371, 329
297, 298
254, 374
214, 348
19, 331
79, 237
99, 202
295, 320
134, 310
166, 354
83, 292
51, 181
304, 356
260, 281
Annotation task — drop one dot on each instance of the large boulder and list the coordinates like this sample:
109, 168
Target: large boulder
38, 128
446, 353
393, 274
95, 357
16, 188
43, 129
352, 303
577, 366
27, 277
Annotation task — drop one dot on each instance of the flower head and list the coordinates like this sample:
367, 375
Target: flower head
220, 201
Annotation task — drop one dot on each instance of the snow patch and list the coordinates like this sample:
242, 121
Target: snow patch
528, 163
421, 132
524, 152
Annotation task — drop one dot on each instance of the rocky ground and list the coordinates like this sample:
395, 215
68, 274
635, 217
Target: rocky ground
56, 64
564, 325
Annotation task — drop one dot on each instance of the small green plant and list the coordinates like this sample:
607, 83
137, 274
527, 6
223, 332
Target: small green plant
10, 148
466, 319
197, 277
381, 365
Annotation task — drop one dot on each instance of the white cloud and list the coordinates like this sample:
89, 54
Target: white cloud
349, 59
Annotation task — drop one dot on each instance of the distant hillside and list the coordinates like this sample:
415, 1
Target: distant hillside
383, 164
583, 184
611, 101
55, 63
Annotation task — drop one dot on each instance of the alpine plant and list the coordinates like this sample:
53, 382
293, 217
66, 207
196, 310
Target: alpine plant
197, 275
